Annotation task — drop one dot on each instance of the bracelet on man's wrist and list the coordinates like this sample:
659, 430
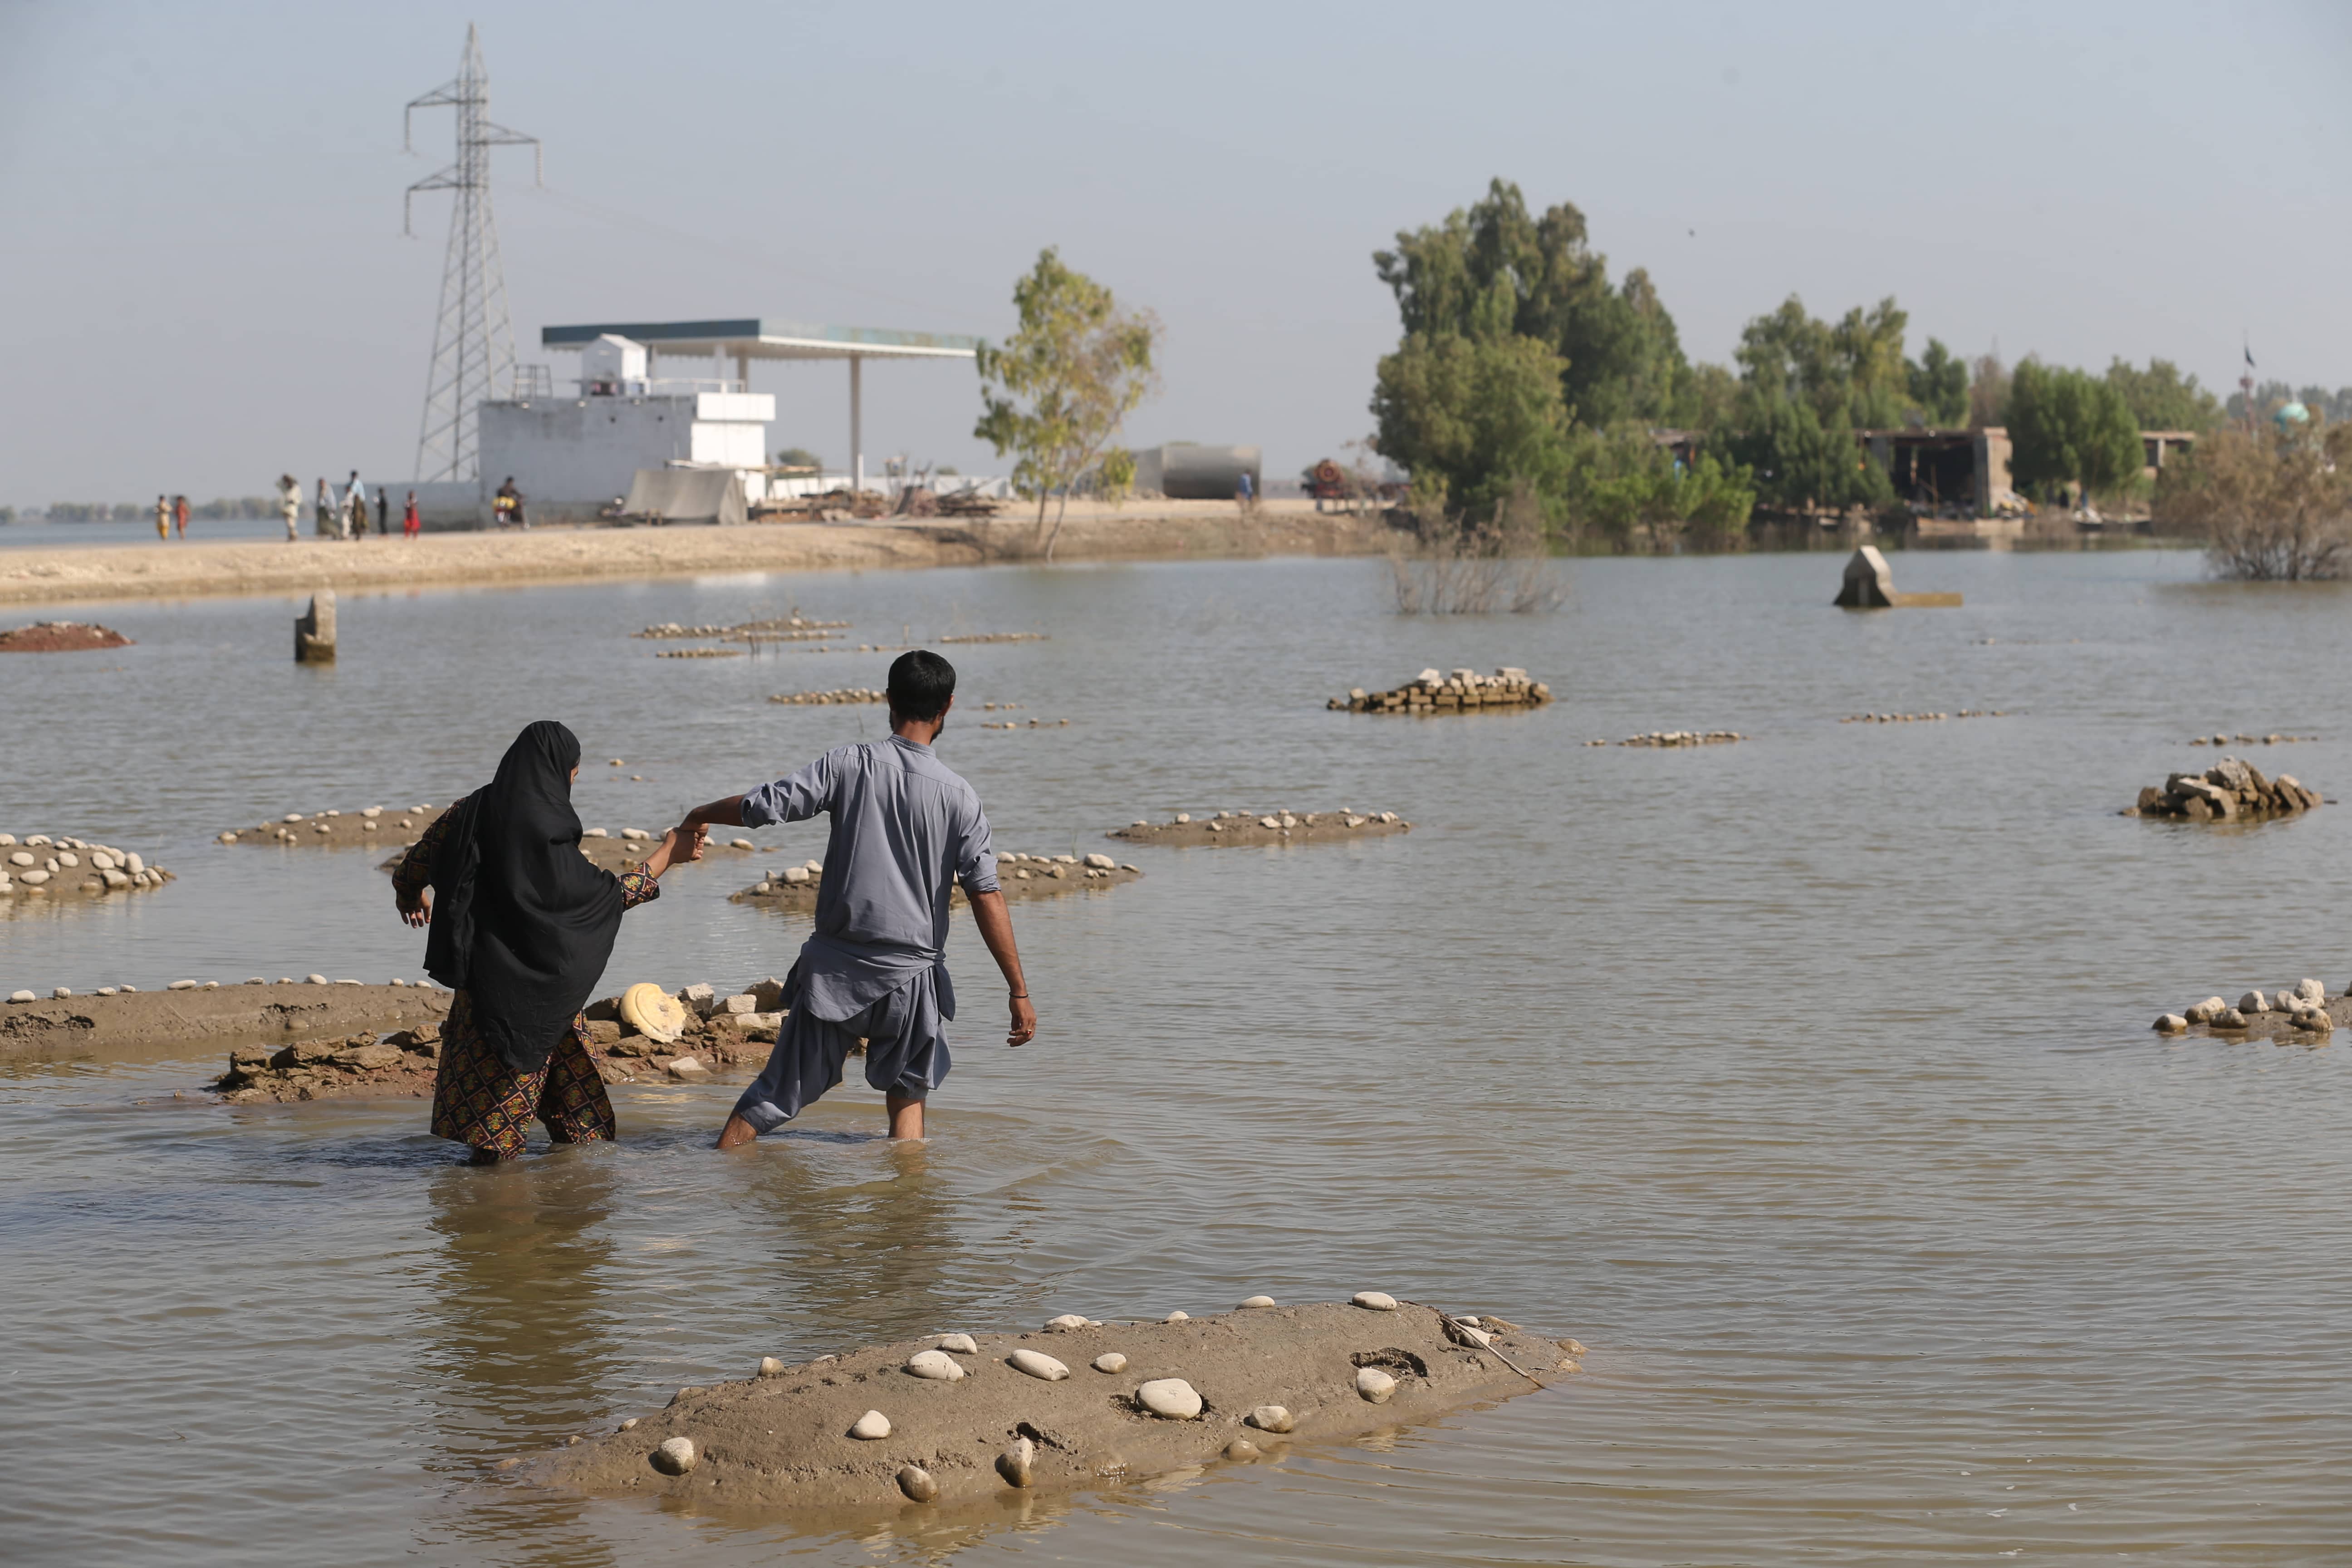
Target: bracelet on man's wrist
1019, 995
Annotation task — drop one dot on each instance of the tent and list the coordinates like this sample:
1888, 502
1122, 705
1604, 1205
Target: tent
687, 495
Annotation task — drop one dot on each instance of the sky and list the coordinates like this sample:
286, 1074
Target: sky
205, 282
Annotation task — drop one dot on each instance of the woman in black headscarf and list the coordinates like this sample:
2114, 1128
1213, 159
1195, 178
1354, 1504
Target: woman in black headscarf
522, 925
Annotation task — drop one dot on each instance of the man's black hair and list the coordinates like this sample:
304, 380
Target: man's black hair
921, 684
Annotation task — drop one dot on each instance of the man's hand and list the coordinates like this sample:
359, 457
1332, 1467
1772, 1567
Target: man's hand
1024, 1024
421, 912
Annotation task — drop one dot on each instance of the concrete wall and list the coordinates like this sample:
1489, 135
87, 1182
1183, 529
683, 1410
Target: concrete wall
571, 457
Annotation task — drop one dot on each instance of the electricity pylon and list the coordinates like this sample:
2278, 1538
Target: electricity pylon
473, 340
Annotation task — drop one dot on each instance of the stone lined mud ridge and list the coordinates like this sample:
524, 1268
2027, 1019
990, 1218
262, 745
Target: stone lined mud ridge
2273, 739
820, 699
2229, 790
1677, 737
60, 637
2301, 1013
126, 1021
1464, 690
40, 867
1242, 827
781, 628
792, 889
643, 1035
1921, 718
959, 1419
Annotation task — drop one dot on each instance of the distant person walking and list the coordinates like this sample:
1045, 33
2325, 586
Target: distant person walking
383, 511
180, 514
1247, 491
410, 523
163, 518
289, 502
326, 509
355, 508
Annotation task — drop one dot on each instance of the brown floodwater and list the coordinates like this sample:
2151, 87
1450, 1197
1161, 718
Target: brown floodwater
1808, 1079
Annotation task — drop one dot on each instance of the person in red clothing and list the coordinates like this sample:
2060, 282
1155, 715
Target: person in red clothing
180, 514
409, 523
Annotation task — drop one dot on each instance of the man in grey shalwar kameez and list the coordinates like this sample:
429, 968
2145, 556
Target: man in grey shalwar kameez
905, 831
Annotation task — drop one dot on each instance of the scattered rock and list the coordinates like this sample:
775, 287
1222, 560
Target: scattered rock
1258, 1302
675, 1456
770, 1367
1377, 1300
1237, 827
1178, 1316
1374, 1384
870, 1427
50, 869
937, 1365
2170, 1023
820, 699
1271, 1418
1922, 718
630, 1425
2254, 1002
2231, 791
1464, 690
916, 1483
1066, 1321
1037, 1363
1170, 1396
1242, 1448
963, 1342
1684, 737
1110, 1361
1018, 1463
793, 889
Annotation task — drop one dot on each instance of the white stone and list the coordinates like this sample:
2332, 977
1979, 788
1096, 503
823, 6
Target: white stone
770, 1367
293, 816
916, 1483
1038, 1364
99, 860
314, 980
2311, 991
739, 844
34, 878
1170, 1396
132, 864
1018, 1464
797, 876
22, 997
585, 833
630, 1425
1241, 1448
870, 1427
373, 811
963, 1342
1065, 1321
741, 1004
1374, 1384
1178, 1317
634, 834
1258, 1302
21, 858
62, 992
1268, 822
937, 1365
2254, 1002
1271, 1418
1101, 862
1184, 816
675, 1456
228, 837
1110, 1361
1377, 1300
687, 1069
181, 985
7, 838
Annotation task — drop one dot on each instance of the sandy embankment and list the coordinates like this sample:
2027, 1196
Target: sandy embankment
1140, 531
1235, 828
1260, 1378
148, 1025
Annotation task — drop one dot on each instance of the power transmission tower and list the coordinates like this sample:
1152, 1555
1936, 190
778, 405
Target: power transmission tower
473, 340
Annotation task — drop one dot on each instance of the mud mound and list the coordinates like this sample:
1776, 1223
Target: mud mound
1236, 827
792, 890
784, 1438
41, 868
121, 1024
60, 637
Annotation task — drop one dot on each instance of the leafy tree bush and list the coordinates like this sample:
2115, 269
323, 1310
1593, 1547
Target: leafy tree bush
1472, 418
798, 458
1939, 386
2271, 505
1624, 484
2161, 398
1057, 389
2069, 427
1797, 460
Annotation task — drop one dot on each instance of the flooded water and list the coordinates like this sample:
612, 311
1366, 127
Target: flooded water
1808, 1080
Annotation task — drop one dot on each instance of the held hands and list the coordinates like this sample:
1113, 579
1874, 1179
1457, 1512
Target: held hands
1024, 1024
680, 844
421, 913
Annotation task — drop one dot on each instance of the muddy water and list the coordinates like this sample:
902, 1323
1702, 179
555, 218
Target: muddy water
1808, 1079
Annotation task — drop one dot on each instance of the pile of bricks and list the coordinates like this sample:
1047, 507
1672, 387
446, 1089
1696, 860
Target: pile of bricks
1464, 691
2230, 791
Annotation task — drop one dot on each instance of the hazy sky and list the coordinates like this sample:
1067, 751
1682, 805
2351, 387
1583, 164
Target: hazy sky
206, 284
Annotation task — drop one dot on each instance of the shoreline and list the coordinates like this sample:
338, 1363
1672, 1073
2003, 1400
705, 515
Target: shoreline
1139, 531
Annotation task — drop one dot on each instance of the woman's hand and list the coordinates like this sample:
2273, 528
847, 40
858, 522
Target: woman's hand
677, 844
420, 913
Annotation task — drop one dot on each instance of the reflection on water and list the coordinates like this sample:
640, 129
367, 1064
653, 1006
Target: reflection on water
1808, 1080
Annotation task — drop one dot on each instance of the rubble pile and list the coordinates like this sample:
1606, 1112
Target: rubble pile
1676, 738
794, 888
60, 637
1239, 828
845, 694
1434, 692
43, 868
1922, 718
2303, 1012
2229, 790
2274, 739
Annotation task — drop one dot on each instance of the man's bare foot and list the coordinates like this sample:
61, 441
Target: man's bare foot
736, 1133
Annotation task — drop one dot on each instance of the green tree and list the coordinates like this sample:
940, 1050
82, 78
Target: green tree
1495, 270
798, 458
1939, 386
1472, 418
1057, 389
1623, 483
2161, 398
1797, 460
2069, 427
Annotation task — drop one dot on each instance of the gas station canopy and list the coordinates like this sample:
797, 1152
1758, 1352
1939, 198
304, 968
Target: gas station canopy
749, 338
